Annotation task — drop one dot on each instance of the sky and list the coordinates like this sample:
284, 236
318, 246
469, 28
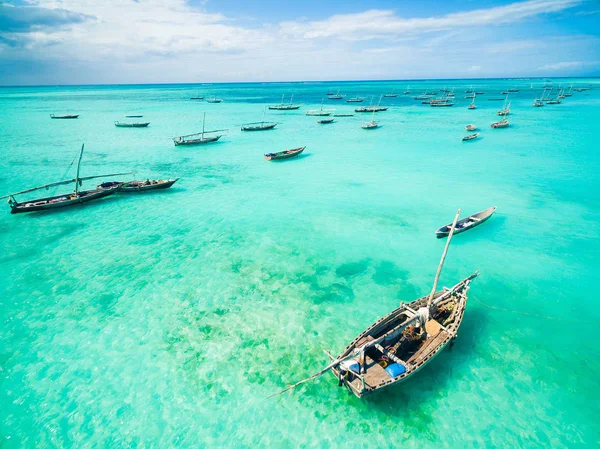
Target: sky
193, 41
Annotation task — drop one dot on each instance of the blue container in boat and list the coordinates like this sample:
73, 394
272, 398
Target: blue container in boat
395, 369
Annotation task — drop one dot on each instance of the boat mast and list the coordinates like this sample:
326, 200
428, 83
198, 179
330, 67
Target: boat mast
439, 270
203, 123
77, 175
264, 112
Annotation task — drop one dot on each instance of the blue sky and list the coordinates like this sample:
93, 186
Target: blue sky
169, 41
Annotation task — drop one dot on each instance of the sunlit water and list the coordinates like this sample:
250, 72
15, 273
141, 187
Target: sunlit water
165, 319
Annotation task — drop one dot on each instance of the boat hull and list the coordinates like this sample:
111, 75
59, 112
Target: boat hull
193, 142
258, 128
483, 216
58, 201
283, 155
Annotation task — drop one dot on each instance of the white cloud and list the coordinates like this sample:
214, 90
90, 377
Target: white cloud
565, 65
475, 68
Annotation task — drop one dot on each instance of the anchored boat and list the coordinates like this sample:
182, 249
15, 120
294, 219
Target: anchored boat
68, 199
199, 138
64, 117
400, 344
467, 223
285, 106
131, 124
259, 126
284, 154
138, 186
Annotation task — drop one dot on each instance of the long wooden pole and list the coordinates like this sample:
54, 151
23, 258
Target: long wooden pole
439, 270
77, 175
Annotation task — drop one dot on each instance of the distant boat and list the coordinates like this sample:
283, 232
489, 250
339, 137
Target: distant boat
441, 104
391, 94
131, 124
568, 94
479, 93
407, 91
472, 105
197, 97
319, 112
68, 199
259, 126
513, 90
285, 106
198, 138
497, 98
470, 91
133, 116
325, 121
470, 137
343, 115
505, 110
336, 96
213, 100
372, 108
284, 154
356, 99
370, 125
138, 186
501, 124
470, 127
554, 101
466, 223
64, 117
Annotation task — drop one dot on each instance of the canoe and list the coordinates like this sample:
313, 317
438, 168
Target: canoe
197, 141
259, 126
343, 115
466, 223
131, 125
284, 154
53, 202
392, 349
67, 116
213, 100
138, 186
470, 127
325, 121
470, 137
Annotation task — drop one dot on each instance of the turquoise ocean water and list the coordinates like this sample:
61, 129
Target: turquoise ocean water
164, 320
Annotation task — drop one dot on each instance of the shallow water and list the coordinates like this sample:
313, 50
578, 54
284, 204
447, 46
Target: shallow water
165, 319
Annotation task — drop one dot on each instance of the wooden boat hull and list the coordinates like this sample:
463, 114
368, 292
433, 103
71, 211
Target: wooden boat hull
500, 125
481, 217
63, 117
471, 137
193, 142
325, 122
284, 154
259, 128
425, 354
132, 125
138, 186
55, 202
284, 108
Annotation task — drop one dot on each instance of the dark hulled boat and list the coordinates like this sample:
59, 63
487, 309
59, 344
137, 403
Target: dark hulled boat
466, 223
198, 138
138, 186
68, 199
284, 154
132, 124
64, 117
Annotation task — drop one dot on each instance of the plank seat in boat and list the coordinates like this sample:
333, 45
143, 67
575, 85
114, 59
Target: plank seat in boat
374, 374
431, 345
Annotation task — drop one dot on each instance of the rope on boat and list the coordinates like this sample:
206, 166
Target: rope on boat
548, 317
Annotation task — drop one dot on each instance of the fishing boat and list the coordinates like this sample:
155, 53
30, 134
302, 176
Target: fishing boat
537, 103
131, 124
505, 110
513, 90
199, 138
259, 126
470, 91
319, 112
285, 106
343, 115
470, 127
554, 101
470, 137
284, 154
197, 97
133, 116
479, 93
501, 124
441, 104
371, 108
64, 117
497, 99
407, 91
138, 186
336, 96
325, 121
64, 200
472, 105
392, 94
213, 100
397, 346
356, 99
370, 125
569, 93
466, 223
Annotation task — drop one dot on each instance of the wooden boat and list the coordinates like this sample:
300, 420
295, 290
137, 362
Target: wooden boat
505, 110
336, 96
391, 94
537, 103
371, 108
213, 100
285, 106
497, 99
470, 127
198, 138
138, 186
133, 116
259, 126
325, 121
64, 200
284, 154
441, 104
401, 343
466, 223
319, 112
131, 124
370, 125
196, 98
501, 124
356, 99
64, 117
343, 115
472, 105
513, 90
479, 93
407, 91
470, 137
554, 101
